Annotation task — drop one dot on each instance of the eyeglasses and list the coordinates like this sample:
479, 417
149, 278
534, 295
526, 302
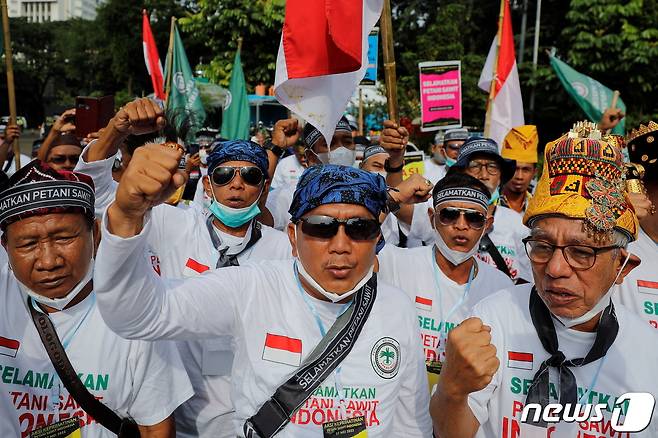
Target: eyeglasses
251, 175
326, 227
493, 168
62, 159
450, 216
579, 257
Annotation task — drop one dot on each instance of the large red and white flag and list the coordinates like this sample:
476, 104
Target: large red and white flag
323, 55
506, 108
151, 58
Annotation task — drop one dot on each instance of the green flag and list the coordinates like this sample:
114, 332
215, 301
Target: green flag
184, 100
235, 120
592, 96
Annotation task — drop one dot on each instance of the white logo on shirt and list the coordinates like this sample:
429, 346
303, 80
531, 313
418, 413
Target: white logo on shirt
385, 358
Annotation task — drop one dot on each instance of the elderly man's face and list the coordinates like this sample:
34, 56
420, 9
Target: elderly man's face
568, 292
337, 263
64, 157
50, 254
237, 193
482, 167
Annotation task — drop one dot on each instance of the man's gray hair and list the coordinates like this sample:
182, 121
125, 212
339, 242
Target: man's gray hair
620, 239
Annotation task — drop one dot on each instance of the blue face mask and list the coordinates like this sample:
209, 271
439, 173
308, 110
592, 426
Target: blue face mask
495, 197
450, 161
234, 217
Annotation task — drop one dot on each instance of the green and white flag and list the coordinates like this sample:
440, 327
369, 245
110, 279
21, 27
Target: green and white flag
592, 96
235, 120
184, 99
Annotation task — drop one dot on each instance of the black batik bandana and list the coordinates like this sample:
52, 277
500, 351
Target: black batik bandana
545, 326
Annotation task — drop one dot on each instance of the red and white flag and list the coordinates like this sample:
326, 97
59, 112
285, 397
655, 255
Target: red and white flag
9, 347
282, 349
521, 361
423, 303
151, 58
193, 268
323, 55
648, 287
506, 108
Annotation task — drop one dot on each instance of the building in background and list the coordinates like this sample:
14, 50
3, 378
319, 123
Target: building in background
39, 11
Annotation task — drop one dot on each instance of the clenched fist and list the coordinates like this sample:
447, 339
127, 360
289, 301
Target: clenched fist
286, 133
413, 190
471, 360
394, 139
140, 116
150, 179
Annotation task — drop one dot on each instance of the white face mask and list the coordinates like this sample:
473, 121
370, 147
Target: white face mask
203, 156
331, 296
381, 173
60, 303
341, 156
455, 257
598, 307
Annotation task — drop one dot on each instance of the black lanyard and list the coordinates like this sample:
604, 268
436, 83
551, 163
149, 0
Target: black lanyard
545, 327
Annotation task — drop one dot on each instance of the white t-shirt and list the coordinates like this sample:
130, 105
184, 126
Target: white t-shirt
143, 380
433, 171
278, 203
180, 246
629, 366
287, 172
259, 304
436, 296
639, 291
506, 234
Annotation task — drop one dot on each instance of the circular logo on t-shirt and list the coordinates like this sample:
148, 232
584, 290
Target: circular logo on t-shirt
385, 357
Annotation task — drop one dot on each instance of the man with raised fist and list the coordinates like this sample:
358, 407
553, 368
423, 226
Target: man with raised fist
532, 353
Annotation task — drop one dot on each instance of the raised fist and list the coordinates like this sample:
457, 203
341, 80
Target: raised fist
471, 360
413, 190
394, 139
150, 179
286, 133
140, 116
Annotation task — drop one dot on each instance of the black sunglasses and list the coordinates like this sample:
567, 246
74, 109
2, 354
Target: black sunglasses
61, 159
450, 216
251, 175
326, 227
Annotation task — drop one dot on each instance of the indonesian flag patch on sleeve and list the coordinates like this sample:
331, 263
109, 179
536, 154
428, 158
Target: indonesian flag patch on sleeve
282, 349
423, 303
9, 347
192, 268
521, 361
648, 287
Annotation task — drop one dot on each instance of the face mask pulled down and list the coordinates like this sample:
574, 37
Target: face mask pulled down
234, 217
331, 296
60, 303
598, 307
455, 257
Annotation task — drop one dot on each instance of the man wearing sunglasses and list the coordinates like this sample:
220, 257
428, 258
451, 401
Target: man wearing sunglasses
501, 246
277, 312
445, 281
562, 340
187, 242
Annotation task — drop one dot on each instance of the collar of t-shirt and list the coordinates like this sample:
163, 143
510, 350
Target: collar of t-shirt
573, 343
235, 244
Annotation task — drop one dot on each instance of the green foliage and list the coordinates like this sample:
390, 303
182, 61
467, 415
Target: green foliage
220, 23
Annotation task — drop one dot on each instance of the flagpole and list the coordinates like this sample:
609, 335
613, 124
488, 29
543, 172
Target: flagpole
389, 61
11, 92
170, 56
492, 88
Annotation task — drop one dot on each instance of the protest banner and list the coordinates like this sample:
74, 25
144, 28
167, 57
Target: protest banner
440, 95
